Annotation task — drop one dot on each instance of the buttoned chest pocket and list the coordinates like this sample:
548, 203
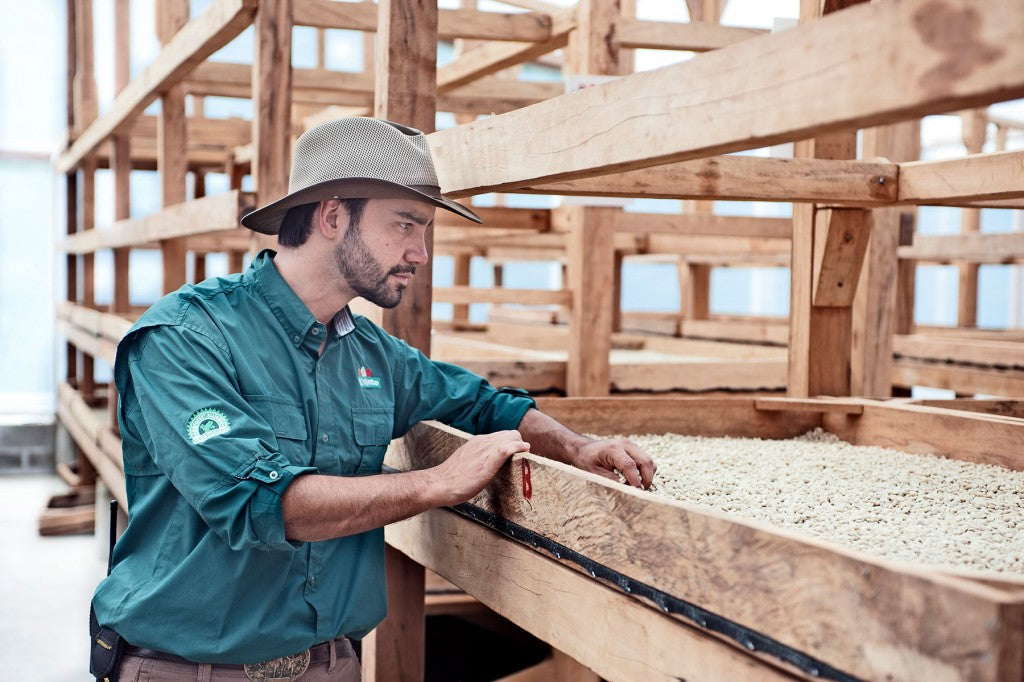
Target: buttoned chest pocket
288, 422
372, 428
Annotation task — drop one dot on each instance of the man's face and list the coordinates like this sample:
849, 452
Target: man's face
379, 254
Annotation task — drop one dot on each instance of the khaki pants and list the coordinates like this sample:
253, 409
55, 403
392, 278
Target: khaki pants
342, 666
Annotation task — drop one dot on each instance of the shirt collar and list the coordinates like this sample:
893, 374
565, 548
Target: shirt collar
291, 312
343, 322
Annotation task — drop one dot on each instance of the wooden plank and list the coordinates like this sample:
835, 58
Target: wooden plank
692, 246
394, 649
121, 159
976, 247
692, 36
639, 115
92, 346
215, 213
805, 405
758, 331
698, 377
704, 224
460, 276
743, 178
839, 257
536, 376
498, 217
558, 605
982, 438
844, 607
1007, 408
965, 380
452, 24
963, 181
976, 352
172, 137
200, 38
492, 57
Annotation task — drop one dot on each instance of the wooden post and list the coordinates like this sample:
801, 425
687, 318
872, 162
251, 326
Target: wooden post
405, 91
617, 291
974, 125
172, 142
461, 267
820, 326
272, 97
875, 305
590, 249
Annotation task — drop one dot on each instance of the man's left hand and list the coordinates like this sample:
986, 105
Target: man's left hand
614, 458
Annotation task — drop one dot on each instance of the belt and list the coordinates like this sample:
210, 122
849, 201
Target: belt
318, 653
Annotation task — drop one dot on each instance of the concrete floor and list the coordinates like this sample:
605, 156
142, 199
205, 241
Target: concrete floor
45, 587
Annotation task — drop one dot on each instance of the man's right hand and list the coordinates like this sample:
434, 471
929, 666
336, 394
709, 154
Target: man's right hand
472, 466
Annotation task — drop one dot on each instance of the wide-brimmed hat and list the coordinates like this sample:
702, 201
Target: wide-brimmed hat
357, 158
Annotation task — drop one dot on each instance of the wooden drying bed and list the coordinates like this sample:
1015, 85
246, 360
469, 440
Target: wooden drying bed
639, 587
965, 361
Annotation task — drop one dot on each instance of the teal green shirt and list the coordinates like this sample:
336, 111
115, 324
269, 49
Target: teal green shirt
224, 401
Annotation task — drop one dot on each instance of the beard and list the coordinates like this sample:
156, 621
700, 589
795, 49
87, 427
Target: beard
364, 273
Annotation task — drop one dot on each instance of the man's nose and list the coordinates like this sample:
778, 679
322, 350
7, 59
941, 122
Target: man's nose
416, 253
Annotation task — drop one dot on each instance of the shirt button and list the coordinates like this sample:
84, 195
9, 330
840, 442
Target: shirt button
325, 438
296, 338
273, 475
316, 331
312, 581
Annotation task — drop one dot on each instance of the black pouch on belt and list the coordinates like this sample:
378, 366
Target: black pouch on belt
106, 651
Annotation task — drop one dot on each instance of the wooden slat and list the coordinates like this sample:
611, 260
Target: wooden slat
1008, 408
726, 107
743, 178
738, 330
704, 224
967, 181
693, 36
692, 246
976, 352
698, 377
465, 294
209, 214
70, 407
200, 38
965, 380
452, 24
976, 247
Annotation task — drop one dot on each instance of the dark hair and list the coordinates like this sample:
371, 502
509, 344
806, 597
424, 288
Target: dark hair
298, 221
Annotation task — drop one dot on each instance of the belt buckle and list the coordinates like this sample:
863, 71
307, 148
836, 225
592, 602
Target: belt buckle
280, 669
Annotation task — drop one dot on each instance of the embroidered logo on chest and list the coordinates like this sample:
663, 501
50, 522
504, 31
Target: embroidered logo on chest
366, 378
206, 423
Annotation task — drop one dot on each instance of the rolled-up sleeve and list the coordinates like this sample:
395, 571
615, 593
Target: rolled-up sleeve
430, 389
180, 398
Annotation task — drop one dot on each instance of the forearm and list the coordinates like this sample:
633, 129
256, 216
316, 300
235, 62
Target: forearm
549, 438
318, 507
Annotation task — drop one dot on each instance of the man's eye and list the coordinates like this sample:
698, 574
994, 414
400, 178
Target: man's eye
405, 226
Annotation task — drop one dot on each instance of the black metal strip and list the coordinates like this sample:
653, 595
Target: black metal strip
750, 639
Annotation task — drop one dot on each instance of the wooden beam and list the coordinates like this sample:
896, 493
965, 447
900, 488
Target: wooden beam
701, 376
492, 57
670, 35
591, 257
693, 245
201, 216
963, 379
498, 217
967, 181
744, 178
452, 24
974, 247
201, 37
638, 117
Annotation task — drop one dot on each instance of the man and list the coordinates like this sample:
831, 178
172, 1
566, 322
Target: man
255, 411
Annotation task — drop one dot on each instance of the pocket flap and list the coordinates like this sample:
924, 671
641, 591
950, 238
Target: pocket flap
284, 416
372, 426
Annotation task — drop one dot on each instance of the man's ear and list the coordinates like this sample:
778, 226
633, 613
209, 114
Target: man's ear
329, 218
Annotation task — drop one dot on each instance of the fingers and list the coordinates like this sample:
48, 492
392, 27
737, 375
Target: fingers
644, 463
628, 468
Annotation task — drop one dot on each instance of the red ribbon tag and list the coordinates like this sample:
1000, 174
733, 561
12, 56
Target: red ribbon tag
527, 483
